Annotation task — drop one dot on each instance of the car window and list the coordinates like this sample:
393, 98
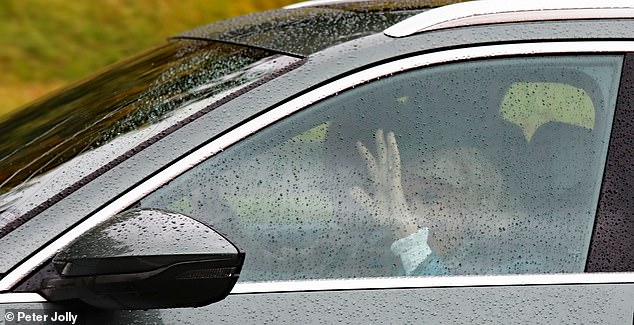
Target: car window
469, 168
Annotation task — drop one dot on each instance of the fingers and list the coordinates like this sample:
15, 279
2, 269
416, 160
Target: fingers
394, 168
369, 161
385, 170
381, 148
394, 162
385, 173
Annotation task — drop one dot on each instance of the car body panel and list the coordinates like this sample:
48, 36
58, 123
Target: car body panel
535, 304
508, 305
524, 299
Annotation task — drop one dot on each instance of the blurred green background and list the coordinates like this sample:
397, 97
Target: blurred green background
47, 44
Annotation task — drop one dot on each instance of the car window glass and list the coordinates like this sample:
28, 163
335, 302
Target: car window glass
484, 167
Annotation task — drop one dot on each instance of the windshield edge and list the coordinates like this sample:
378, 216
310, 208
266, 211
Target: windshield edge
20, 218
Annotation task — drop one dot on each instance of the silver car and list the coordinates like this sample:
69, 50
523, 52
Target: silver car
335, 161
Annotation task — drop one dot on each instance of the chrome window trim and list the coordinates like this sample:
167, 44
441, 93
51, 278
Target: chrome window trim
292, 106
432, 282
313, 3
503, 11
20, 297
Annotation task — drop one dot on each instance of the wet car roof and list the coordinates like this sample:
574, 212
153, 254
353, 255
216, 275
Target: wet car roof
305, 30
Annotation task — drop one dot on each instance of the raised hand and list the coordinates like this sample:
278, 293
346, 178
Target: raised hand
388, 204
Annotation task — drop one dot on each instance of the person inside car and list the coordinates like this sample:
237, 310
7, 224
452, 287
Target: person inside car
433, 206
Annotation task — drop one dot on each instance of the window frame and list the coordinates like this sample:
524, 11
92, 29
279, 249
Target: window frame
284, 110
614, 220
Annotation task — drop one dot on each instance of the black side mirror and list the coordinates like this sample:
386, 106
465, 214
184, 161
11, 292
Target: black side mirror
146, 259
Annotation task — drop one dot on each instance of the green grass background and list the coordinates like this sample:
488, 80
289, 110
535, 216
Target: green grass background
47, 44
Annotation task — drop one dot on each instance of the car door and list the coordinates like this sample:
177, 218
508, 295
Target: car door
456, 186
515, 146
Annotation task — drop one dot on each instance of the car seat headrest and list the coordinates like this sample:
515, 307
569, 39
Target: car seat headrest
531, 104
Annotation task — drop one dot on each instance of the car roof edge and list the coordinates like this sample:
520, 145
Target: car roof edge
486, 12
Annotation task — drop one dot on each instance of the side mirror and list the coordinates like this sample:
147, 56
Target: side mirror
146, 259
